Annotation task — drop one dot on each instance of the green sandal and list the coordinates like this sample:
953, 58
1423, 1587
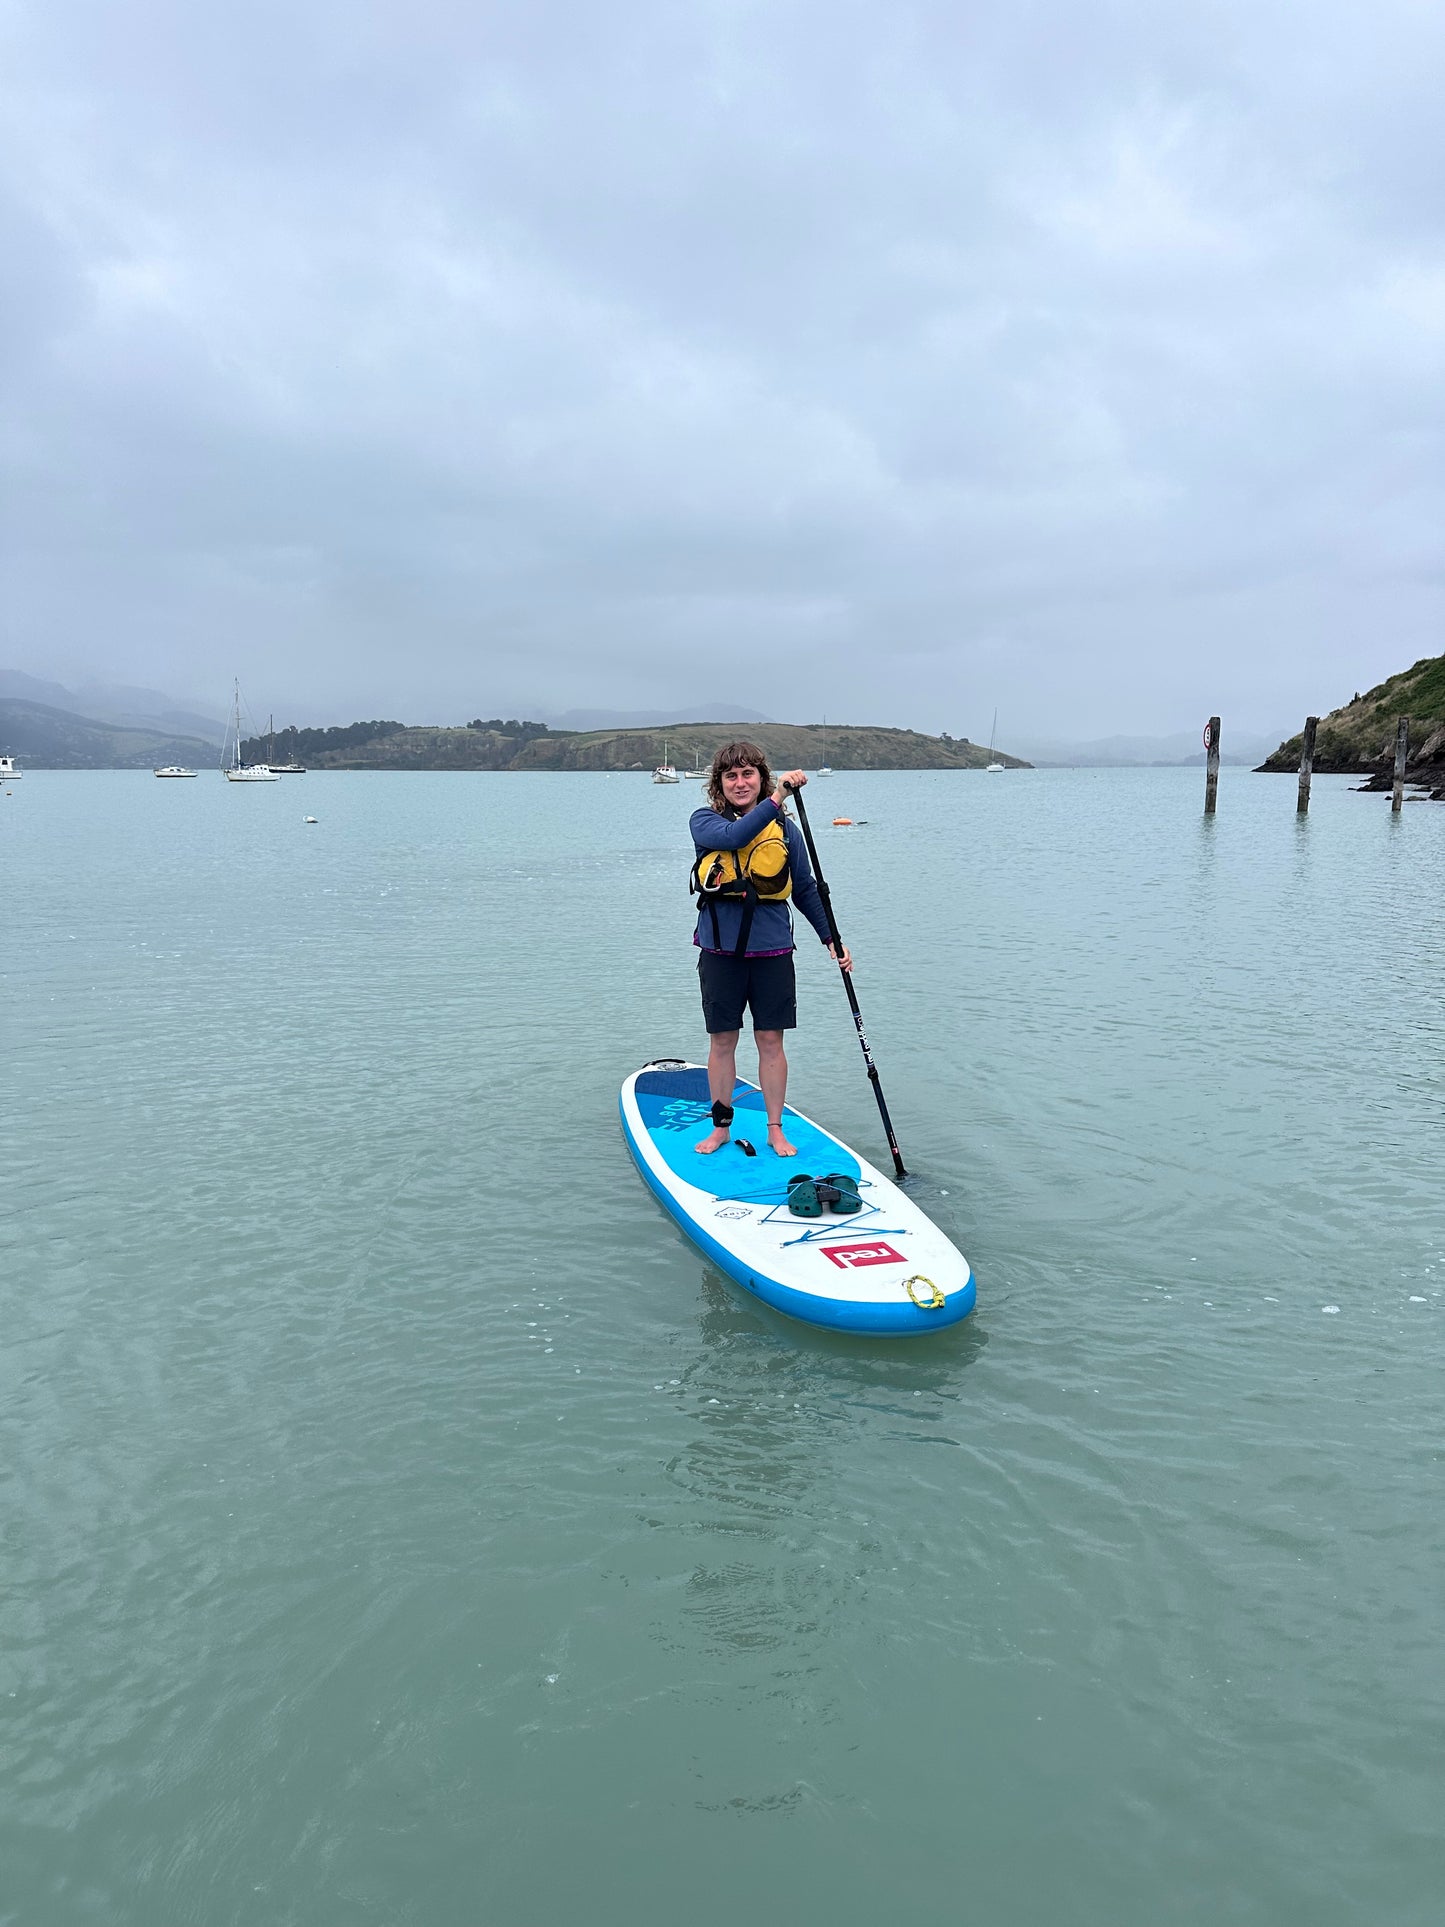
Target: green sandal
845, 1199
803, 1200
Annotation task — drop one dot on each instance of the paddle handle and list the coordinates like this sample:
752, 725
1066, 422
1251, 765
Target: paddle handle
826, 894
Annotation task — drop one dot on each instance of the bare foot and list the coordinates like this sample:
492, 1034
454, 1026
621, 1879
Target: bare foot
777, 1142
714, 1141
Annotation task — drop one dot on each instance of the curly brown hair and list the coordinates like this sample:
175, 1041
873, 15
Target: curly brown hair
735, 756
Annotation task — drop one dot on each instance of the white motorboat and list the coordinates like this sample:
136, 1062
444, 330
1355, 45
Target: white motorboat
665, 773
236, 771
173, 769
8, 771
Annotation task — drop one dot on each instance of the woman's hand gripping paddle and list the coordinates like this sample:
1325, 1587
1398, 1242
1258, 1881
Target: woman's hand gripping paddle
826, 895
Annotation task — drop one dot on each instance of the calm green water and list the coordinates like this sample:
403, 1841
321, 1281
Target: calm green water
403, 1525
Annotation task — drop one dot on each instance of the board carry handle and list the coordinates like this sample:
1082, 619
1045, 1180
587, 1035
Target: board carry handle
935, 1303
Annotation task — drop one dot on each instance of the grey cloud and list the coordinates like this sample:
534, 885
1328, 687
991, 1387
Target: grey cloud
1085, 362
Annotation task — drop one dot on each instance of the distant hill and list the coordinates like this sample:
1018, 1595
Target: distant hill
121, 703
1358, 739
1242, 748
46, 738
140, 708
533, 746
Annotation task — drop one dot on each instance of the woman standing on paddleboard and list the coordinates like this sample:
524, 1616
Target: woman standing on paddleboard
751, 862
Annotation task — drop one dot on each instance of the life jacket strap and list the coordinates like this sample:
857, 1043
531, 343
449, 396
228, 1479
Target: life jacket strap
745, 928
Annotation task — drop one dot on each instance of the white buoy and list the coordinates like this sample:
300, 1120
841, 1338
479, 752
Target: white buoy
311, 819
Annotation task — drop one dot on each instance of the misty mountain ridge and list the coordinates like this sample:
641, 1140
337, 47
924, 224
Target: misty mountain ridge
50, 738
123, 704
1240, 749
133, 707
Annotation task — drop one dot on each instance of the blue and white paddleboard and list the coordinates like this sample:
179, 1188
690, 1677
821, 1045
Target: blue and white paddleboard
886, 1269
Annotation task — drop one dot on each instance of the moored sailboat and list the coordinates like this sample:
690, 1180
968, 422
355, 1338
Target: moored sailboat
280, 769
236, 771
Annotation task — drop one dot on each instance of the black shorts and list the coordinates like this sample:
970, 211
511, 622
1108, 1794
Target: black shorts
766, 985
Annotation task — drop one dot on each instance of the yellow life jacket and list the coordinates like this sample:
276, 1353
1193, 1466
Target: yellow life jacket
760, 872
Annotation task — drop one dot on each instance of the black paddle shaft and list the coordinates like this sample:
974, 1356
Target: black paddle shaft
826, 895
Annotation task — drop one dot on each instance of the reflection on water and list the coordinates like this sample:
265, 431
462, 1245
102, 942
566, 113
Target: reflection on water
772, 1414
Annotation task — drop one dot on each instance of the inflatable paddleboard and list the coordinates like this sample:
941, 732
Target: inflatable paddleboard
885, 1269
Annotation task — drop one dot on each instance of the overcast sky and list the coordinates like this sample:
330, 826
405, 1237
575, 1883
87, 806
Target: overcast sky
893, 361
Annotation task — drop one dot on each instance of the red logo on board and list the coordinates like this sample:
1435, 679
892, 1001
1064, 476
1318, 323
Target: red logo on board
854, 1257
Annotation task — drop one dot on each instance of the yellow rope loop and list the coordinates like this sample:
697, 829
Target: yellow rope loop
935, 1303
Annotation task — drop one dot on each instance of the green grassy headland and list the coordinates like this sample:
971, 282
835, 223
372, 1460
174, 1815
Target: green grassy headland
500, 744
1359, 737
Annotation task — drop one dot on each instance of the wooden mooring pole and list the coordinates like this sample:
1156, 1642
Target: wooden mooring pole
1306, 764
1211, 768
1402, 751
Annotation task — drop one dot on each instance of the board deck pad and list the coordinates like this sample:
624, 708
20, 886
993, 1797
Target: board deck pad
676, 1108
886, 1270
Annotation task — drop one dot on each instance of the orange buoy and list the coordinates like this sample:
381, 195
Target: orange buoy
842, 822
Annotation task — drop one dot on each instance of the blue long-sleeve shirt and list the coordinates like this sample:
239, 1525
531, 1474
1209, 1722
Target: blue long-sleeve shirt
772, 928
